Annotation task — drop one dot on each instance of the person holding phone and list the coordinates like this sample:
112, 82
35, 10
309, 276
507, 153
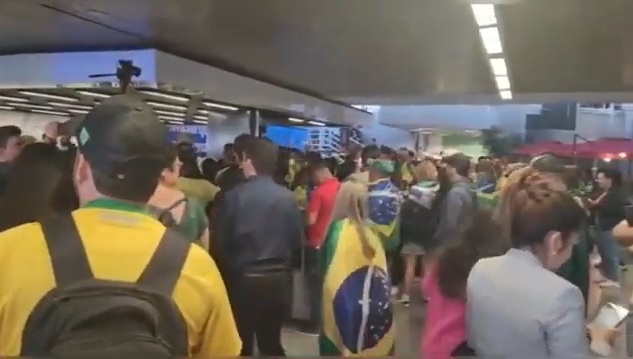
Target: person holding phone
545, 225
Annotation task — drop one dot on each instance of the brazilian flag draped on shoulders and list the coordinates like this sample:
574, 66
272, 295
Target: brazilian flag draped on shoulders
357, 316
384, 212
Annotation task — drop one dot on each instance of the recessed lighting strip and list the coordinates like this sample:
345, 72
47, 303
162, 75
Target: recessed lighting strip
165, 96
93, 94
28, 105
8, 108
220, 106
14, 99
51, 112
70, 105
50, 96
488, 25
167, 106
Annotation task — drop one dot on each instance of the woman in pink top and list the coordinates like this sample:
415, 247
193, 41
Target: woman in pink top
444, 286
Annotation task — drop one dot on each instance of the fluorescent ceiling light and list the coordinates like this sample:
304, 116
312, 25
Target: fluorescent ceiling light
221, 107
56, 113
93, 94
484, 14
203, 118
167, 106
16, 99
169, 113
46, 95
83, 112
9, 108
503, 82
316, 123
505, 95
499, 67
170, 118
166, 96
295, 120
491, 39
200, 122
28, 105
70, 105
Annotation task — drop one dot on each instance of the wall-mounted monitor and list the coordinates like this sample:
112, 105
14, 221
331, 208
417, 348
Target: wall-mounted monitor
288, 136
195, 134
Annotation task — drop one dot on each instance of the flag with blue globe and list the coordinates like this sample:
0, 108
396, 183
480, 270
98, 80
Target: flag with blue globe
356, 312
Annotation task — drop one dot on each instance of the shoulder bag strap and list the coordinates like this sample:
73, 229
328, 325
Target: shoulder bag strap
163, 270
68, 256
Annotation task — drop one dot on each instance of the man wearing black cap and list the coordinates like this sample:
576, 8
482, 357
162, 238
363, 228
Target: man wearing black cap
457, 209
112, 237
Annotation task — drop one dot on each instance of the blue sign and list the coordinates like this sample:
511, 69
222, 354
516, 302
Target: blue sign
194, 134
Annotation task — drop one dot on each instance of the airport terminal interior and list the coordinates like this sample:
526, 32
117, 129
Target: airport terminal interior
501, 82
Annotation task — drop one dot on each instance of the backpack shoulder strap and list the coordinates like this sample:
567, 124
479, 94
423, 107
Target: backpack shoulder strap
163, 270
66, 250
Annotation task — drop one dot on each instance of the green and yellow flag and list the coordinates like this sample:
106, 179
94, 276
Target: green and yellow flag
356, 312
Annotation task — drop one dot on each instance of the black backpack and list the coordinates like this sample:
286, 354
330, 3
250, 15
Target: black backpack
88, 317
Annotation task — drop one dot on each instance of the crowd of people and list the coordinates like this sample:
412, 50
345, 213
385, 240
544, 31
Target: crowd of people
122, 243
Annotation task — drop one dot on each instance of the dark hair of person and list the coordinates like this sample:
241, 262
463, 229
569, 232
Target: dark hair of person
65, 198
537, 209
262, 154
369, 152
282, 167
456, 261
39, 186
210, 168
187, 155
445, 186
7, 132
300, 178
613, 174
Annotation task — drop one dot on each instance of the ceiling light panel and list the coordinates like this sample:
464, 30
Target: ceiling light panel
499, 67
93, 94
56, 113
15, 99
8, 108
171, 118
202, 118
169, 113
28, 105
220, 106
505, 95
484, 14
491, 39
503, 82
50, 96
295, 120
81, 112
200, 122
316, 123
70, 105
166, 96
167, 106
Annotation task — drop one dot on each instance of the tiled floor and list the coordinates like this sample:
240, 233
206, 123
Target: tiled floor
408, 323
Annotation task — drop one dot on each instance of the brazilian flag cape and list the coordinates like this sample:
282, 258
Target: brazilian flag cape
384, 212
357, 316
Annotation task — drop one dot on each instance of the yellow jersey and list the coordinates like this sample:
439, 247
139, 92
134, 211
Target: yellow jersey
119, 240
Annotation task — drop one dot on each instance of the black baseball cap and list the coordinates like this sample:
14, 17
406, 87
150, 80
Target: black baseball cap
122, 134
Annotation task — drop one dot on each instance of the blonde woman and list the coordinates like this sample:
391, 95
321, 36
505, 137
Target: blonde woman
357, 317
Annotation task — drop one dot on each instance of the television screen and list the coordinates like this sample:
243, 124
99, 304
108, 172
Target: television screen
195, 134
288, 136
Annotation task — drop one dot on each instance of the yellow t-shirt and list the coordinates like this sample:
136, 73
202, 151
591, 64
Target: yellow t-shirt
118, 244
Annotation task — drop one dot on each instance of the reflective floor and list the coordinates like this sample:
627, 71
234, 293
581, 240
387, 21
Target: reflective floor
408, 323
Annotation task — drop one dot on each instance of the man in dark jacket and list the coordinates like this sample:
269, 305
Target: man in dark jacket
259, 230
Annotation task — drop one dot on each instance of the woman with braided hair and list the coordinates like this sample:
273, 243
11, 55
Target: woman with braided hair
517, 307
